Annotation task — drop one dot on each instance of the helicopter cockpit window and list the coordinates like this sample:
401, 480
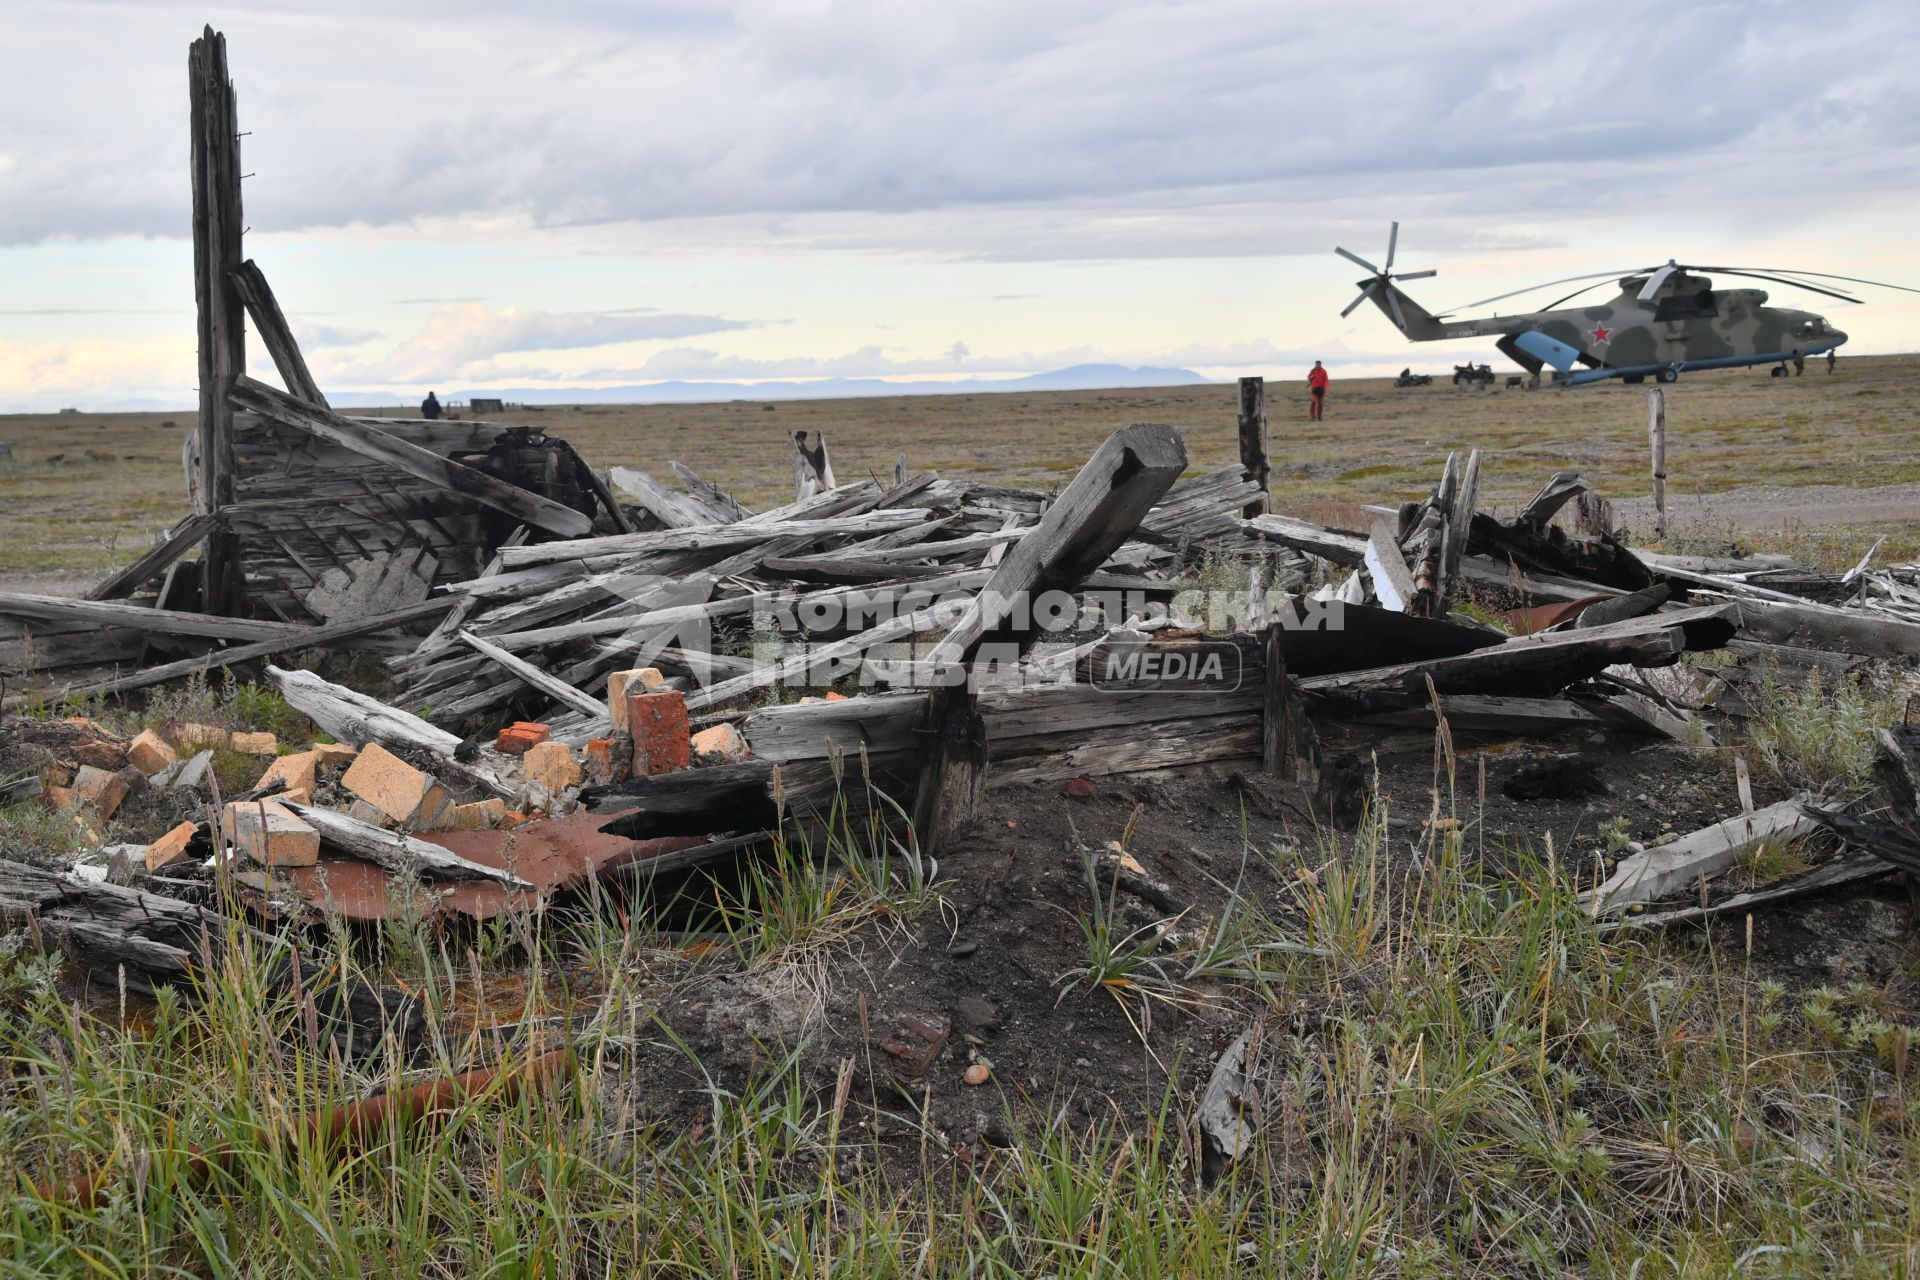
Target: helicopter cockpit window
1687, 306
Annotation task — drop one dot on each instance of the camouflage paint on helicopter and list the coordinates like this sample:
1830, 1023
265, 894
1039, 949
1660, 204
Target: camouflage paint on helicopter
1664, 321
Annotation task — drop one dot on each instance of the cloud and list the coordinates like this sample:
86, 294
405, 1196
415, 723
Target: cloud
463, 340
1132, 121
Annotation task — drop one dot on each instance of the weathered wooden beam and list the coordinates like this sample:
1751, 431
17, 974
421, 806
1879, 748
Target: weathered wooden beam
1253, 441
112, 613
559, 690
276, 335
182, 539
1535, 665
1671, 868
403, 455
1098, 510
217, 229
393, 851
708, 537
952, 782
1392, 580
300, 638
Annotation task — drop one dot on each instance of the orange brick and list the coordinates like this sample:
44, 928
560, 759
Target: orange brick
621, 683
551, 764
719, 744
333, 753
296, 771
396, 788
201, 735
150, 753
661, 743
273, 837
519, 738
255, 744
478, 816
103, 790
171, 847
605, 762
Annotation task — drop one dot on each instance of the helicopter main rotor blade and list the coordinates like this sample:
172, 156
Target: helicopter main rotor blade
1798, 284
1393, 242
1417, 275
1557, 303
1818, 275
1357, 260
1657, 279
1393, 301
1365, 293
1593, 275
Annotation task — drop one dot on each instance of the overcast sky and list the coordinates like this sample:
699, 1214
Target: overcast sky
598, 192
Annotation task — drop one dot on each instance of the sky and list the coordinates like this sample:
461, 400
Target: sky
460, 196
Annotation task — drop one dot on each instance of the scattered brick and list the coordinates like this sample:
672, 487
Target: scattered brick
171, 848
368, 814
1080, 788
719, 744
271, 836
99, 788
621, 683
201, 735
297, 771
150, 753
551, 764
255, 744
478, 816
661, 742
603, 762
391, 785
519, 738
333, 753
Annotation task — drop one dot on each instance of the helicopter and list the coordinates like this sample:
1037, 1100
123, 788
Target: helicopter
1666, 320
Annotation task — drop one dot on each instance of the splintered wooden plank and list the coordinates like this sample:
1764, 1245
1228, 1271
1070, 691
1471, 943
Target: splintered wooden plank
1098, 510
298, 638
1672, 868
275, 334
107, 613
184, 537
708, 537
404, 455
529, 674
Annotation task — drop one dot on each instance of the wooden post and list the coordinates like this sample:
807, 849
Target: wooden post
1288, 744
1253, 441
217, 229
1657, 438
276, 334
953, 763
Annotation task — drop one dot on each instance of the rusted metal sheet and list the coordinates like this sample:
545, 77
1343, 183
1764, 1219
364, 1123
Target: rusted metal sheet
553, 854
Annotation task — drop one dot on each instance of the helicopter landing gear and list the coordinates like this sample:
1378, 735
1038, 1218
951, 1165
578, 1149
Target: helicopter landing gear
1668, 374
1780, 371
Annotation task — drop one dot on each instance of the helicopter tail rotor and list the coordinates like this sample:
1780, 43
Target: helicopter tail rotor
1380, 289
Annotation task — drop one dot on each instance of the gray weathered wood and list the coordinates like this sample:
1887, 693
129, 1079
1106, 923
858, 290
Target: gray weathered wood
393, 851
707, 537
952, 781
1672, 868
1097, 511
531, 675
404, 455
1253, 440
1392, 580
217, 230
110, 613
305, 638
276, 335
181, 539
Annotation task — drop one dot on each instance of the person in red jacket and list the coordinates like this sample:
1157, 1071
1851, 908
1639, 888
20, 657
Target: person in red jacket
1317, 388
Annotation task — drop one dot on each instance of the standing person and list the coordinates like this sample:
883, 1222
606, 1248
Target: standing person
1317, 391
1833, 358
430, 407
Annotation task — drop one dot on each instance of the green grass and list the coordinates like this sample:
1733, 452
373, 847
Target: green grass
1465, 1079
1818, 734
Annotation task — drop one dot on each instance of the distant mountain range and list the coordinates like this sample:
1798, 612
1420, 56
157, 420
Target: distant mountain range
1080, 377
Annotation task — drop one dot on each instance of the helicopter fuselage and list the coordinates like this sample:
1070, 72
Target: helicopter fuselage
1688, 324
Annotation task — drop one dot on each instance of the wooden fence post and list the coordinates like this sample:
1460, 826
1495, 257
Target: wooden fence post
1657, 438
1253, 441
953, 762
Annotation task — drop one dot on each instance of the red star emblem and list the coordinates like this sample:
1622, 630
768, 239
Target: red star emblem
1600, 333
